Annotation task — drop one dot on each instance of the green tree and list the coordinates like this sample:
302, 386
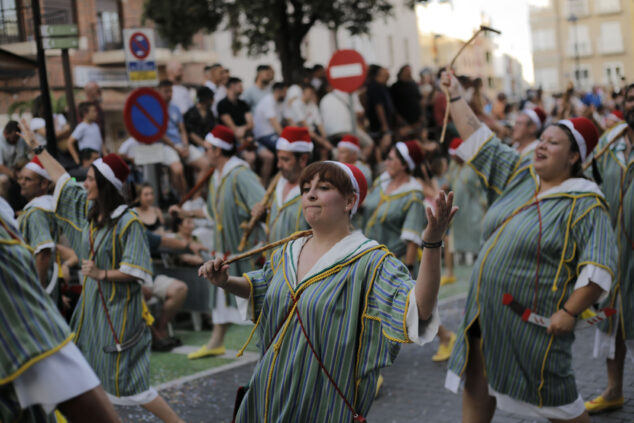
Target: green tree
256, 24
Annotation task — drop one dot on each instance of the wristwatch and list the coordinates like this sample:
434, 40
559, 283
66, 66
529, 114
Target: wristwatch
38, 150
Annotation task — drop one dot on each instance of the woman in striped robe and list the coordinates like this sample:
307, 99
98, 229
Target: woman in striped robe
110, 240
549, 244
40, 366
332, 308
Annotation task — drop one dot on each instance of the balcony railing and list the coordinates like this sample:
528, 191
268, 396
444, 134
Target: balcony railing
16, 24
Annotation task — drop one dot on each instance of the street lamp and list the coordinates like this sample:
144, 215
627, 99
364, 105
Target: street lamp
573, 20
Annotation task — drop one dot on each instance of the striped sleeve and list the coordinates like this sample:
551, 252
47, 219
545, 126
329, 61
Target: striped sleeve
596, 249
135, 258
37, 230
259, 281
388, 301
415, 220
71, 207
491, 159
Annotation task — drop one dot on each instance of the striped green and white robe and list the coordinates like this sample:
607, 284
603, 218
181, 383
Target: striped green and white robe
285, 215
396, 218
38, 227
617, 172
39, 364
470, 199
365, 169
126, 375
527, 369
231, 197
357, 307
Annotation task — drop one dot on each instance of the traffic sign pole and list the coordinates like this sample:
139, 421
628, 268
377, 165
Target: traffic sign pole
346, 72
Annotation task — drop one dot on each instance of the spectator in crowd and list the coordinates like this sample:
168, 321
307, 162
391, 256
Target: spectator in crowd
318, 77
379, 110
305, 112
199, 120
180, 96
216, 79
176, 138
86, 157
150, 215
267, 124
92, 92
14, 153
427, 89
407, 100
87, 133
262, 86
498, 110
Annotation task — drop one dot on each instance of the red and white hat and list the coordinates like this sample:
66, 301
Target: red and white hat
537, 115
411, 152
36, 166
221, 137
295, 139
617, 114
584, 133
114, 169
359, 184
453, 146
350, 142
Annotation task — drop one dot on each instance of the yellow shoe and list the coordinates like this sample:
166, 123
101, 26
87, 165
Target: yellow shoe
599, 404
446, 280
444, 351
379, 383
206, 352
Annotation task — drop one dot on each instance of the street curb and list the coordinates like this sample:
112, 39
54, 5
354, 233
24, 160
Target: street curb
247, 358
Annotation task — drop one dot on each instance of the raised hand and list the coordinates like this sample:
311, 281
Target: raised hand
439, 219
449, 81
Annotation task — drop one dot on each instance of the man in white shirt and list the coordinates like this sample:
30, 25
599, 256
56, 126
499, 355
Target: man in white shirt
267, 125
180, 94
216, 77
305, 112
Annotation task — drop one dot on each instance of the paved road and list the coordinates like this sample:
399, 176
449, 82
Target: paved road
413, 389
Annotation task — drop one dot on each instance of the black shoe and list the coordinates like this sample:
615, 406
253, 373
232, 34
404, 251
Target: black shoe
162, 345
176, 342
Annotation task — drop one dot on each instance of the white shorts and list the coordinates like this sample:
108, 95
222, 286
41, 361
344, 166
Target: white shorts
171, 156
161, 285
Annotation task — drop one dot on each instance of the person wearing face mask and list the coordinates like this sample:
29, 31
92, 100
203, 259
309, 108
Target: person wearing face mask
332, 308
111, 320
615, 337
548, 243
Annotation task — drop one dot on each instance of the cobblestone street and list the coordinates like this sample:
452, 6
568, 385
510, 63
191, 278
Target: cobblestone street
413, 390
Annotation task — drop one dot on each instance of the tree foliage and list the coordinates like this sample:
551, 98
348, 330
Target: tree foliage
258, 24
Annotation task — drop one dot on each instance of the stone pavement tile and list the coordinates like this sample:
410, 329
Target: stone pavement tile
413, 390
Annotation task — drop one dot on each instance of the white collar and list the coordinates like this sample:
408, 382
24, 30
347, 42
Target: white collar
573, 186
411, 185
43, 202
352, 244
279, 192
231, 164
118, 211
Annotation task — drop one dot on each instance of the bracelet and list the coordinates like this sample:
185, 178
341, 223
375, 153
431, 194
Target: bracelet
453, 99
432, 244
569, 313
38, 150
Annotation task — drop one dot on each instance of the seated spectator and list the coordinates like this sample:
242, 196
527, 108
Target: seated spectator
13, 155
150, 215
305, 112
86, 157
87, 134
262, 86
199, 121
267, 125
178, 142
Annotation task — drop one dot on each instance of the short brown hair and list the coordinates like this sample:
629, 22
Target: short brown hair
328, 172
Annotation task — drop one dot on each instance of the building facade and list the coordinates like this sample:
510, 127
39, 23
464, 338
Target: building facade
584, 42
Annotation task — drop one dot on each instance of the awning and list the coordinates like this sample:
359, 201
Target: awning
15, 66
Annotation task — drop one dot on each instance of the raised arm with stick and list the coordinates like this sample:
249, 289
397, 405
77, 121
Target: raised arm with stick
255, 217
483, 28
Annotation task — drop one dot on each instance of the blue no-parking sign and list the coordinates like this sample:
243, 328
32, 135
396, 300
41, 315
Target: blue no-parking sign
145, 115
139, 56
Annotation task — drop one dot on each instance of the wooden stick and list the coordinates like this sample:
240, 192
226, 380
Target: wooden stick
198, 186
262, 249
483, 28
601, 152
254, 219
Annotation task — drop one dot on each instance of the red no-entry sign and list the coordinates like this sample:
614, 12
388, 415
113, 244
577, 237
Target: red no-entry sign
346, 70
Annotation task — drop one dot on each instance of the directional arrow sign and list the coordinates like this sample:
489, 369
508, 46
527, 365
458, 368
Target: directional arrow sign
58, 30
51, 43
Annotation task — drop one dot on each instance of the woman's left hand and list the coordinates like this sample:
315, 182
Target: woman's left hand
439, 219
560, 323
90, 269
